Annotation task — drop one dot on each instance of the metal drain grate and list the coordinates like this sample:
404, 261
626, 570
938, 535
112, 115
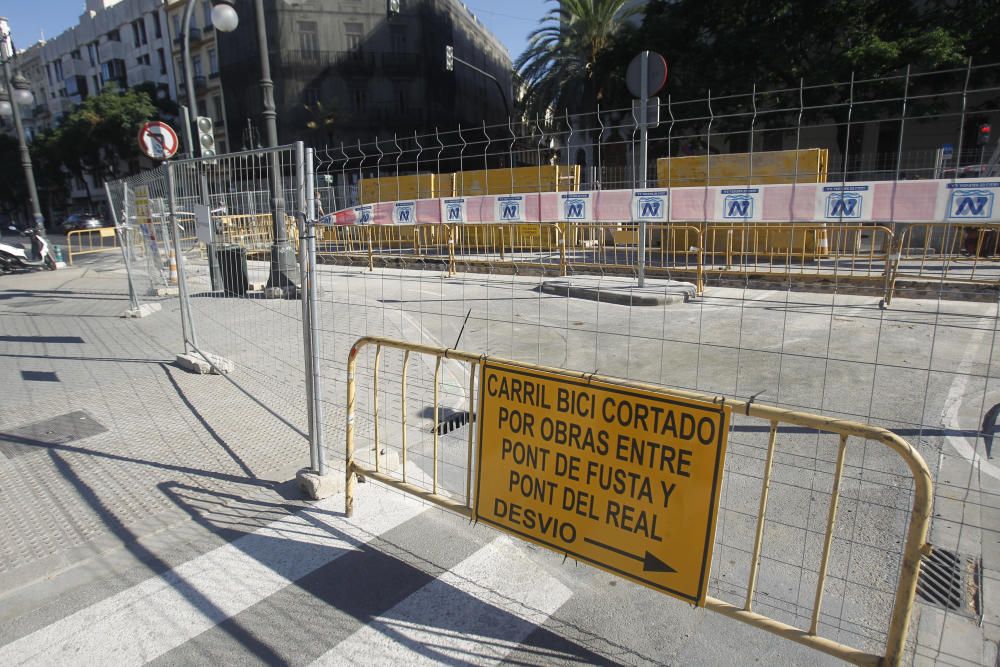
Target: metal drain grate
59, 430
451, 420
951, 581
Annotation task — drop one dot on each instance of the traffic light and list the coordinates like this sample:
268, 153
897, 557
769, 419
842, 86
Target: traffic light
206, 136
392, 8
449, 58
984, 135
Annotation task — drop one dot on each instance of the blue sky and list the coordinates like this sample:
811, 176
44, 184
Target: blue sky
510, 20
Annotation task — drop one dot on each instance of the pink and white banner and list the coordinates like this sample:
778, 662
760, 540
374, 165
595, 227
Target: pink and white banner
972, 201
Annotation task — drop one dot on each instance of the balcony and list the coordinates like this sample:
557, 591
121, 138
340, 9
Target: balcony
356, 63
111, 51
195, 37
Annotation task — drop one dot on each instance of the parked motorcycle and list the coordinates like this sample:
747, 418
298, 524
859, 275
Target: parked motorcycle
14, 257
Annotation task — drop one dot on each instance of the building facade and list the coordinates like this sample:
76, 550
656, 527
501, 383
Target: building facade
349, 70
209, 97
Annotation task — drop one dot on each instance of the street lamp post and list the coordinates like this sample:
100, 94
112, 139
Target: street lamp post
19, 93
284, 271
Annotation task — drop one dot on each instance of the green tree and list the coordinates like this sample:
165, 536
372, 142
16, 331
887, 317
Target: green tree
567, 63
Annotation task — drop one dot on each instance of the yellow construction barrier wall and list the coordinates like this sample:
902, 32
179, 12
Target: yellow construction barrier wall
806, 165
393, 188
548, 178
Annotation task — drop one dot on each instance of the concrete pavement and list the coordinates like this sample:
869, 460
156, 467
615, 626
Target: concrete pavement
163, 530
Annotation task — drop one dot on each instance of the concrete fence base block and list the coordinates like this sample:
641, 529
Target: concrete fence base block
317, 487
142, 311
621, 292
196, 363
163, 291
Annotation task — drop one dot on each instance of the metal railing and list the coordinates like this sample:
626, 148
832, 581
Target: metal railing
462, 502
88, 241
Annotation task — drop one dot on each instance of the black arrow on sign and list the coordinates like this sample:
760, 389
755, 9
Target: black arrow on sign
650, 563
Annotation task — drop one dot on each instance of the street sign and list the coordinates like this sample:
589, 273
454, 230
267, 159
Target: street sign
947, 151
624, 478
656, 74
158, 140
652, 111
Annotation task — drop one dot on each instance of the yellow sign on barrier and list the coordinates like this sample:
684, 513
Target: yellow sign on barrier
623, 478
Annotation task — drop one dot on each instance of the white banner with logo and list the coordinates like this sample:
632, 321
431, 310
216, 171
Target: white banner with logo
851, 202
971, 201
650, 205
453, 210
404, 212
509, 208
364, 215
576, 207
739, 204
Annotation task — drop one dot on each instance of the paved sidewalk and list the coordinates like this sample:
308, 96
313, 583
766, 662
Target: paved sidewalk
72, 369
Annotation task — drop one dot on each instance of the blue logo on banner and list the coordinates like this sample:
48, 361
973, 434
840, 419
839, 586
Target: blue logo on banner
649, 207
364, 216
737, 206
574, 209
510, 211
454, 212
971, 204
405, 214
843, 205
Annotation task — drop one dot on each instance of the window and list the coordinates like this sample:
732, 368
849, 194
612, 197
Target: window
217, 104
136, 41
157, 30
114, 36
213, 62
77, 85
75, 54
57, 68
163, 61
177, 25
48, 70
143, 60
97, 83
309, 39
354, 33
92, 53
196, 64
114, 70
206, 8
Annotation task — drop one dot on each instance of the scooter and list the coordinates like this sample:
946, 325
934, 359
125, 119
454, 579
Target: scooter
15, 257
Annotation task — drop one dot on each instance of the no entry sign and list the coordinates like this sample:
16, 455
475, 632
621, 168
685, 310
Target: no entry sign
158, 140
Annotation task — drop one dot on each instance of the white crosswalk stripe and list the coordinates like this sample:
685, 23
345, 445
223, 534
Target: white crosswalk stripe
162, 613
484, 608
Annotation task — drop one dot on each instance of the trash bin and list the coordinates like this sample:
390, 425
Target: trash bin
231, 263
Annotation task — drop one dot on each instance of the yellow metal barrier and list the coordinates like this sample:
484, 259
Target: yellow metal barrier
86, 241
916, 532
255, 231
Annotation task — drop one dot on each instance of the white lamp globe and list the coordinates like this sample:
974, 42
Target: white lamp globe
5, 109
23, 96
224, 17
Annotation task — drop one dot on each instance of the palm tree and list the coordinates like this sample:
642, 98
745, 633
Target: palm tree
565, 64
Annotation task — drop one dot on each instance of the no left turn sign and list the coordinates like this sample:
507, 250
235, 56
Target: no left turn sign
158, 140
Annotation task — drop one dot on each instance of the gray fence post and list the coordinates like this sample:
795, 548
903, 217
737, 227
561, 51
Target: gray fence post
175, 242
315, 338
315, 481
122, 229
305, 276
